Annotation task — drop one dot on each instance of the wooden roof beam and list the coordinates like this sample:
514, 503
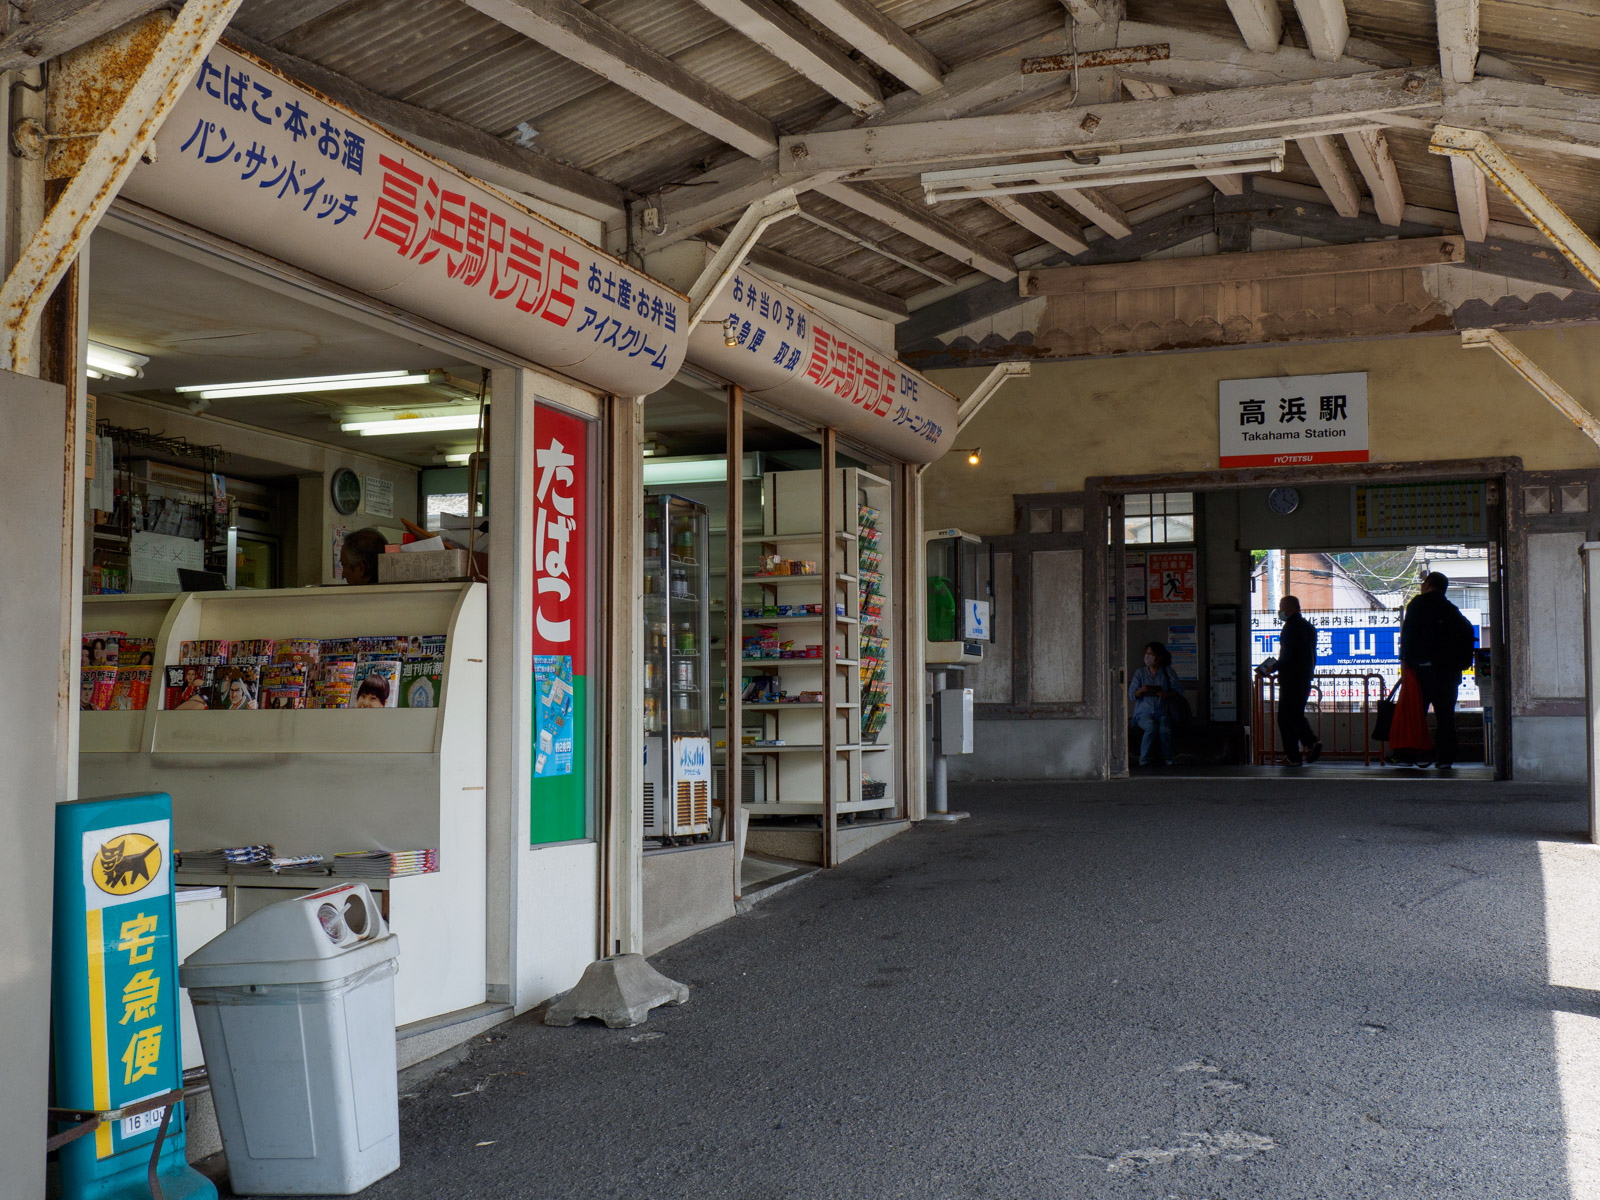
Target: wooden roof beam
919, 222
1472, 198
1370, 149
1144, 89
1094, 12
1457, 22
1326, 25
1309, 108
791, 42
862, 25
1043, 220
576, 33
1333, 174
1260, 23
1098, 208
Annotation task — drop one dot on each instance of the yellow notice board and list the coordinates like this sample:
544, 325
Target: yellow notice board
1409, 513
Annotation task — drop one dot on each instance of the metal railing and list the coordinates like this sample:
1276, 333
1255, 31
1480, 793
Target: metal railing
1341, 710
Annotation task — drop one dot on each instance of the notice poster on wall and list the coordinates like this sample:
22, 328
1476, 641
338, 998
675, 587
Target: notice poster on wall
559, 795
1133, 582
1404, 514
377, 495
1183, 643
1170, 583
553, 713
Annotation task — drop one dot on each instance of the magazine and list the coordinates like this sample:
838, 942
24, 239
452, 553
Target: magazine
189, 687
238, 686
377, 684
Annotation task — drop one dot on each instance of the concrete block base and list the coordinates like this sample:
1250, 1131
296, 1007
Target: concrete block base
620, 990
805, 845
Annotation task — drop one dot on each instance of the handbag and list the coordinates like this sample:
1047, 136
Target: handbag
1410, 729
1384, 721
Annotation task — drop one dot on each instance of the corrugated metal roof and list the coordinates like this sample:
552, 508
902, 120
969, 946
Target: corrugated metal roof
447, 57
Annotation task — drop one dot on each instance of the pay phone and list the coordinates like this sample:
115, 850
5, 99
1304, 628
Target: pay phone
960, 584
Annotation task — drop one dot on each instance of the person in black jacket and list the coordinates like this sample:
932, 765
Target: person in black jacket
1297, 663
1436, 642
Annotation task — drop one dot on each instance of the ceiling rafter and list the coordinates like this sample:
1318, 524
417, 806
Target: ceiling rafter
1457, 24
1144, 89
862, 25
1099, 208
791, 42
1260, 23
921, 223
1043, 220
1326, 26
577, 34
1370, 150
1333, 173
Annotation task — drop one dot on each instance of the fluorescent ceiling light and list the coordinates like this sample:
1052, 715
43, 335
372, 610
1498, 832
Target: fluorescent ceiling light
108, 362
1105, 170
310, 383
411, 425
696, 470
458, 460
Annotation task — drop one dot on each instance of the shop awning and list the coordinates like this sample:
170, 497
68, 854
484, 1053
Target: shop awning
256, 158
762, 338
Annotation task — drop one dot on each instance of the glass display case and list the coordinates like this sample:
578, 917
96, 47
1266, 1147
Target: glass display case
677, 682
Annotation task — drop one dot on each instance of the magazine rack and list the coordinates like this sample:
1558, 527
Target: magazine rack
324, 780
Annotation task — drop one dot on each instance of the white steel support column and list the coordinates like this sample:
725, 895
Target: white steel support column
624, 628
914, 597
510, 734
731, 254
66, 229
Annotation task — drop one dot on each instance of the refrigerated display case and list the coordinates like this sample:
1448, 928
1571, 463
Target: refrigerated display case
677, 681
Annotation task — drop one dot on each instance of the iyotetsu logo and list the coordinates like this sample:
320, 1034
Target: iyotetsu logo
127, 863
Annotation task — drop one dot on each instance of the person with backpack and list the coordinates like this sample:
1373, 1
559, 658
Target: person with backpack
1437, 643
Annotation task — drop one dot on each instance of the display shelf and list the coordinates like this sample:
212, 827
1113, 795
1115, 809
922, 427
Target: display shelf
324, 780
813, 618
776, 538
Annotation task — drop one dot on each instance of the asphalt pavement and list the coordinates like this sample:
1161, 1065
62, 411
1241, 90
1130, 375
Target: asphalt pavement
1161, 988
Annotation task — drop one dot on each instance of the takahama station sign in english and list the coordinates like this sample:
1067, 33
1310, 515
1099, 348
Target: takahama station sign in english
1292, 420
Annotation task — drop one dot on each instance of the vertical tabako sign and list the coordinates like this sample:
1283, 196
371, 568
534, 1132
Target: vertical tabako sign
257, 158
115, 1002
1292, 420
560, 791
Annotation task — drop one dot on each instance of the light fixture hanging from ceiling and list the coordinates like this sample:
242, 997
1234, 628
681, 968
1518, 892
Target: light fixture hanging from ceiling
312, 383
402, 425
1104, 170
108, 362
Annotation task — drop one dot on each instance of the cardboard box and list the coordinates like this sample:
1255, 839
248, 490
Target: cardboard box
423, 566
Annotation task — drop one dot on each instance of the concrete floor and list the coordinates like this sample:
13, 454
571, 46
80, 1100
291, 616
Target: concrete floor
1163, 988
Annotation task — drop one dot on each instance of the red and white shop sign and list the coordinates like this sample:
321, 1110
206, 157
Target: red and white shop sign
1292, 420
560, 534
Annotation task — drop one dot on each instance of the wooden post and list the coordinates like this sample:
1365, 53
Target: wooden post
733, 638
830, 639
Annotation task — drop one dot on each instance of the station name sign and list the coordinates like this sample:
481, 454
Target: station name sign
1292, 420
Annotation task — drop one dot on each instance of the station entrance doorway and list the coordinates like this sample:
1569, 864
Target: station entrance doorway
1198, 564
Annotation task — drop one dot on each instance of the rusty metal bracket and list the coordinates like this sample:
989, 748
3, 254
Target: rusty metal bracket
1493, 339
1481, 150
55, 246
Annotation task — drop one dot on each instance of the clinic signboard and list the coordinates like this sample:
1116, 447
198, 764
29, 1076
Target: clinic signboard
115, 994
777, 348
1356, 642
266, 162
1292, 420
559, 799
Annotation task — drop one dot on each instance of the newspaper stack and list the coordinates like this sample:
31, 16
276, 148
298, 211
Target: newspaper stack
386, 864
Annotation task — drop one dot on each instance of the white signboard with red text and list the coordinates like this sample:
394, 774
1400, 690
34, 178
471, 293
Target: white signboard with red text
1292, 420
253, 157
787, 353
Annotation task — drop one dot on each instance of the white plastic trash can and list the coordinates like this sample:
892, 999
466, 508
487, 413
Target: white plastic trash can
295, 1006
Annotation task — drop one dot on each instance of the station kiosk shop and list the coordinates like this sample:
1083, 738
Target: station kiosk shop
781, 510
360, 360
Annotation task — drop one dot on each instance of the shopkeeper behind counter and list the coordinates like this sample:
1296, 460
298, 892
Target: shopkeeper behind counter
359, 556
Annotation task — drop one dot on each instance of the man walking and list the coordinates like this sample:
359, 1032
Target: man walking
1297, 663
1436, 642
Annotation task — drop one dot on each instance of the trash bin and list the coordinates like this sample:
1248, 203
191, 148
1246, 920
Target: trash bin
295, 1006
